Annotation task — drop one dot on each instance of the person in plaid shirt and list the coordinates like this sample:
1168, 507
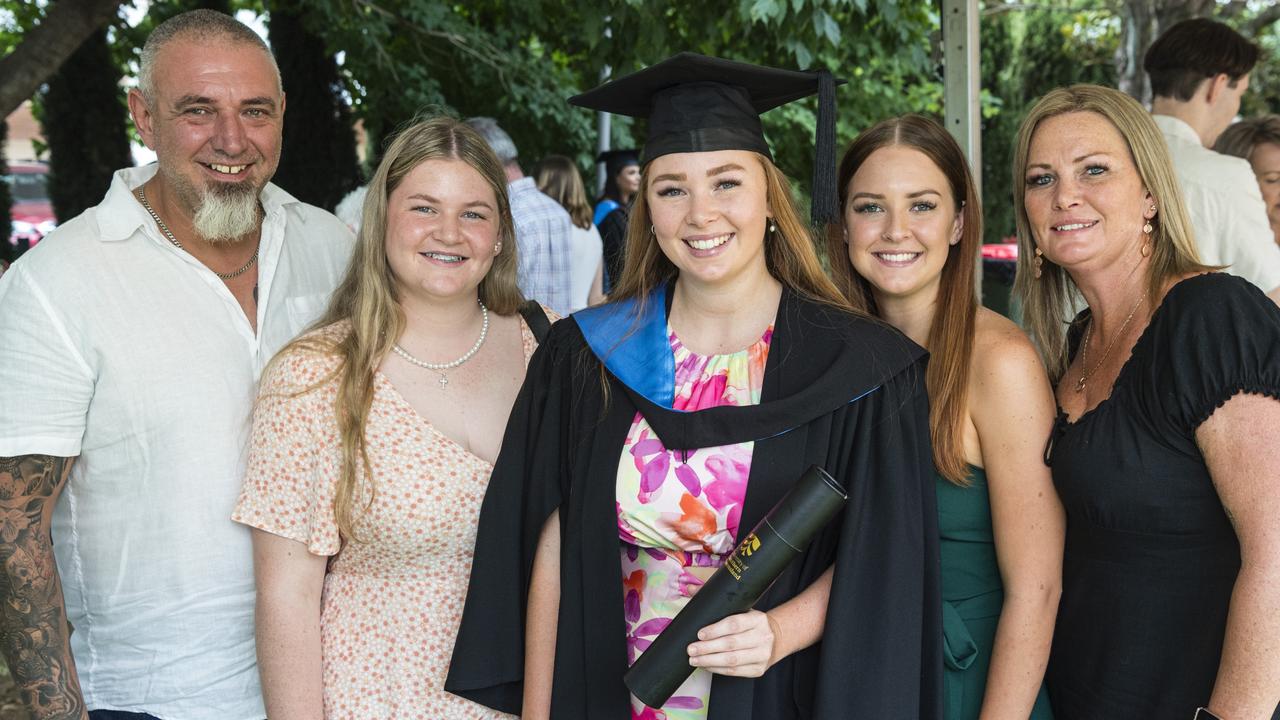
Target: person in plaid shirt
543, 227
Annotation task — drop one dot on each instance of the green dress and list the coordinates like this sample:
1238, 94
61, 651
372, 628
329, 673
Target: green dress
972, 594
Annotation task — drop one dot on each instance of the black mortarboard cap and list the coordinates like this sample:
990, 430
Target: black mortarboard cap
696, 103
615, 160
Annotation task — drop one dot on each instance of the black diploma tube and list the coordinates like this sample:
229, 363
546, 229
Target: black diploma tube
752, 567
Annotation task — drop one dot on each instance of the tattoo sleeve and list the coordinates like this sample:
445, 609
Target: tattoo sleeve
34, 634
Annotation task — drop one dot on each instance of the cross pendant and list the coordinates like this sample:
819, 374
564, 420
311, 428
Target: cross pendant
443, 381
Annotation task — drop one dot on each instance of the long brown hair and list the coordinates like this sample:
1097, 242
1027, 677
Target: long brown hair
558, 178
1047, 300
789, 253
367, 298
950, 341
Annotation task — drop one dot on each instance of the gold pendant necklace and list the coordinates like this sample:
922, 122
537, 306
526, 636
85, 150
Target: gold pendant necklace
1084, 351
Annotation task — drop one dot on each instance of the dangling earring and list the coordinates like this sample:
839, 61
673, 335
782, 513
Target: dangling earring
1147, 229
773, 228
497, 247
1037, 263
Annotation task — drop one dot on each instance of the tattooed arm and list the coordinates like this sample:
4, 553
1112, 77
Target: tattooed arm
34, 634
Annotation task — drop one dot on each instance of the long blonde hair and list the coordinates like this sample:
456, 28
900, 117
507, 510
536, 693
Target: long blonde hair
368, 300
1048, 299
558, 178
951, 333
789, 253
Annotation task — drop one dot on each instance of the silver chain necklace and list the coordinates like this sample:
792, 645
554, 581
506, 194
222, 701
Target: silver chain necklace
441, 367
142, 197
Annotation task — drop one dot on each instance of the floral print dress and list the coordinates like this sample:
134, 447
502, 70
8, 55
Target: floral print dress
678, 510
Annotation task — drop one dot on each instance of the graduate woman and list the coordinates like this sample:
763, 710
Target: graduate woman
653, 432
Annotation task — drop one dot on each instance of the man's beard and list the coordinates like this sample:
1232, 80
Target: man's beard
226, 214
222, 213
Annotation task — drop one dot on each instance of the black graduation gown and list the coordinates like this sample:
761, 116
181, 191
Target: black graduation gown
844, 393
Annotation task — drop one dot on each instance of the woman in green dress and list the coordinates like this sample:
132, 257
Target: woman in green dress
912, 229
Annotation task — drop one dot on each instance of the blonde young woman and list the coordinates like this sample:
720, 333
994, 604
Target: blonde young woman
1167, 445
374, 437
912, 230
558, 178
656, 430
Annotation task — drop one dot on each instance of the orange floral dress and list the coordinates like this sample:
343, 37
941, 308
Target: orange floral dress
391, 604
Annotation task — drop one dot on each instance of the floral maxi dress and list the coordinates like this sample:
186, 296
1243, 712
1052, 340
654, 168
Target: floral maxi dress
678, 510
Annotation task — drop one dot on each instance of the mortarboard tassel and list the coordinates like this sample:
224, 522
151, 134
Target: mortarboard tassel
823, 210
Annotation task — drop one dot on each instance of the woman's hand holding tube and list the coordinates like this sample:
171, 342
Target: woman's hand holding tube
749, 643
740, 645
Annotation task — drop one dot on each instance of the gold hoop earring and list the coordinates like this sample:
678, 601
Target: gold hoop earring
1037, 264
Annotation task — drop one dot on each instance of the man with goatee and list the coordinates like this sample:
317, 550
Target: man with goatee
133, 338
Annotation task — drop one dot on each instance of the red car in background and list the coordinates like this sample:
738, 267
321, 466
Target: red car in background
32, 213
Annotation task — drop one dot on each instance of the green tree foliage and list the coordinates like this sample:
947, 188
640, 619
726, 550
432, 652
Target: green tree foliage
83, 119
1024, 55
1029, 49
318, 161
520, 61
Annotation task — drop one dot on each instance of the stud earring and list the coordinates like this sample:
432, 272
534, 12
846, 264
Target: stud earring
497, 247
1038, 263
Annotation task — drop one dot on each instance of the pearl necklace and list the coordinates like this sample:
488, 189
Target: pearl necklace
441, 367
1084, 350
142, 197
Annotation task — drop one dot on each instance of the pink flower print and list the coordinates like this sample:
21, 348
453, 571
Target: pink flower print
648, 714
730, 467
688, 478
710, 394
653, 471
641, 637
690, 584
683, 702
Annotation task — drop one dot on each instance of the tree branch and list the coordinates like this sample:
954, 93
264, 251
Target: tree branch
1264, 19
46, 46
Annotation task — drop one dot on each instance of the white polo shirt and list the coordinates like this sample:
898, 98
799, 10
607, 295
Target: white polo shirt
1225, 205
119, 348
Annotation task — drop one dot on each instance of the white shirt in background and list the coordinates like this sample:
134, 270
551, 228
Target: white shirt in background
1225, 205
588, 253
127, 352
